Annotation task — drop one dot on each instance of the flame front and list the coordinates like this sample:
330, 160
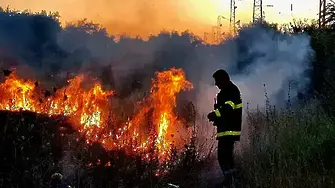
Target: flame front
163, 96
89, 111
16, 94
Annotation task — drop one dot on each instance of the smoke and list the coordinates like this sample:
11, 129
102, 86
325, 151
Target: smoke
279, 61
37, 45
262, 63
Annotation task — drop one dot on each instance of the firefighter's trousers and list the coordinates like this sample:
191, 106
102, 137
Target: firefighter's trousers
226, 154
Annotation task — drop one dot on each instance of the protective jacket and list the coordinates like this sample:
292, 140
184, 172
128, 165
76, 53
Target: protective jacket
228, 111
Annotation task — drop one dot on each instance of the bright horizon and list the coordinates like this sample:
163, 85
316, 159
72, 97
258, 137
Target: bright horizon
140, 17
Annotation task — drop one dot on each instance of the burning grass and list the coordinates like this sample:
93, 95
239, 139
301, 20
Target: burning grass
88, 110
140, 149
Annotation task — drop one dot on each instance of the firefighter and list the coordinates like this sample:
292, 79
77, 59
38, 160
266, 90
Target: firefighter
227, 117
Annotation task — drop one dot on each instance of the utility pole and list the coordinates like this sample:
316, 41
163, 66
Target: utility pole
257, 14
214, 33
219, 25
206, 37
218, 31
232, 20
322, 13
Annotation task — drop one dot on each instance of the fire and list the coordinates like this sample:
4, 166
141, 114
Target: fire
163, 95
89, 111
17, 94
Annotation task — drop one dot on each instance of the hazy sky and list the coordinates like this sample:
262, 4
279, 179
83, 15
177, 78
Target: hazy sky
142, 17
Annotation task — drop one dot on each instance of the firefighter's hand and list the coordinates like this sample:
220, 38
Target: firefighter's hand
211, 116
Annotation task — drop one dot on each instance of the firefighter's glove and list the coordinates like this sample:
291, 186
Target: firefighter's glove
211, 116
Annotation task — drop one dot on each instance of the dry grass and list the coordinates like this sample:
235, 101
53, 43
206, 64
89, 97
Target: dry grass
289, 148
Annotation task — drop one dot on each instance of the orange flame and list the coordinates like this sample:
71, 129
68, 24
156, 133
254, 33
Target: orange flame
164, 91
89, 111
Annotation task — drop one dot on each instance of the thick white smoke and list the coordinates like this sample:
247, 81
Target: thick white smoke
257, 57
261, 62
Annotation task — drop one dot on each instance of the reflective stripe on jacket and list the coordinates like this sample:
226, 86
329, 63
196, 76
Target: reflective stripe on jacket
228, 110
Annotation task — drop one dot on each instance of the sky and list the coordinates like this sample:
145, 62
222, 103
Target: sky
145, 17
